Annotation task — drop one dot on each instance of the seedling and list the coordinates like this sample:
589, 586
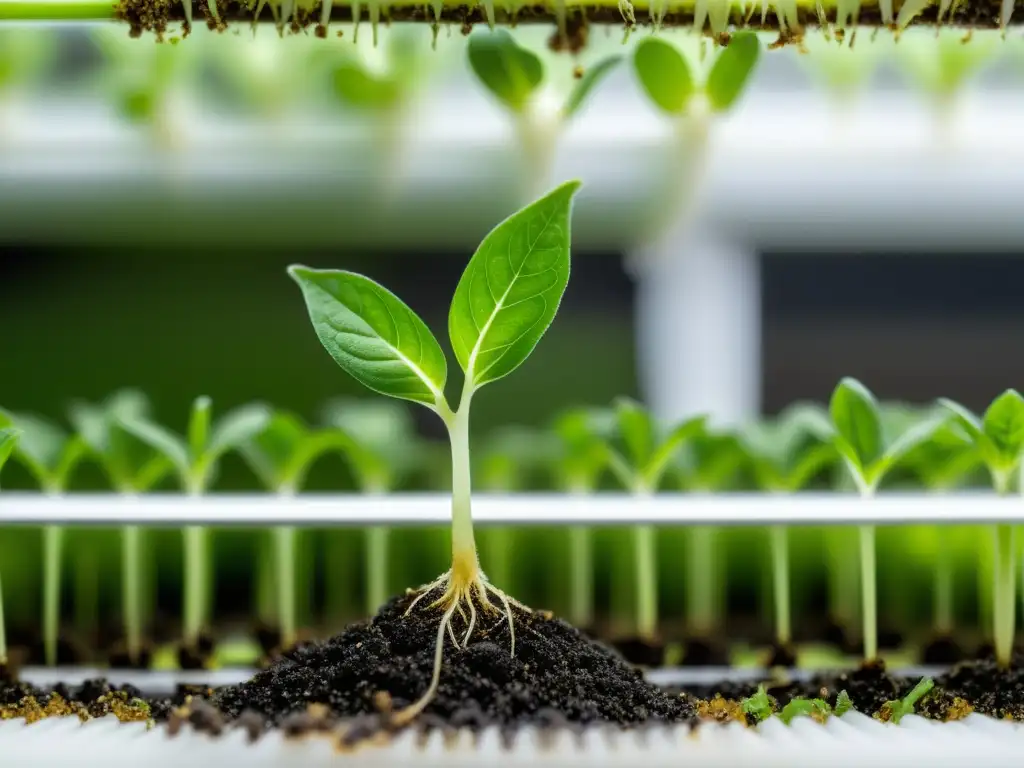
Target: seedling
869, 455
195, 461
998, 437
132, 467
8, 440
786, 455
894, 711
50, 455
505, 301
640, 468
514, 76
760, 706
382, 449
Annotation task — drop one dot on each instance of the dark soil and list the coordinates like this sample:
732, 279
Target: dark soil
196, 656
942, 651
705, 652
386, 663
121, 659
989, 689
641, 652
782, 655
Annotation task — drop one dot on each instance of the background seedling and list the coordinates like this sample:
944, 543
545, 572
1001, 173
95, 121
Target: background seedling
132, 467
50, 455
195, 459
896, 710
540, 106
786, 455
503, 305
8, 440
639, 465
383, 450
998, 438
869, 454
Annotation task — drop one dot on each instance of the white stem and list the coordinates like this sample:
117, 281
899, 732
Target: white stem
464, 556
539, 128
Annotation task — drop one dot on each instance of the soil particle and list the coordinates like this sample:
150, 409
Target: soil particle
554, 668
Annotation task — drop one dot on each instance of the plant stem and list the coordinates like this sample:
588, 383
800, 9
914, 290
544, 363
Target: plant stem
1004, 613
869, 589
194, 599
581, 558
131, 578
779, 543
266, 601
3, 629
497, 561
284, 559
377, 592
465, 563
86, 592
701, 582
52, 547
943, 586
56, 10
645, 560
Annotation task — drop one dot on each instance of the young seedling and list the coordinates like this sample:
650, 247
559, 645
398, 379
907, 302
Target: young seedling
581, 459
195, 460
896, 710
998, 438
281, 455
132, 467
382, 449
505, 301
640, 467
869, 454
540, 108
668, 80
8, 440
760, 706
786, 455
50, 455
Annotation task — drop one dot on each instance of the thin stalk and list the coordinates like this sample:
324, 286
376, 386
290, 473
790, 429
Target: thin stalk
284, 560
266, 605
3, 630
195, 582
336, 572
701, 581
465, 563
86, 593
869, 590
779, 543
1005, 600
645, 560
377, 591
53, 537
131, 582
943, 586
581, 559
497, 555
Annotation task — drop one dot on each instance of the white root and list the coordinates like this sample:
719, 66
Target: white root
374, 7
885, 9
628, 14
409, 713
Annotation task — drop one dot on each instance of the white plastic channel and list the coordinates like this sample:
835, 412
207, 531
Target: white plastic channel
852, 740
539, 509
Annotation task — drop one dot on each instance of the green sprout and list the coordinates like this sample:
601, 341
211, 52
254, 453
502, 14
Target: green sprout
786, 455
580, 459
761, 706
758, 705
691, 104
50, 455
195, 460
640, 467
504, 303
896, 710
869, 455
281, 455
382, 450
514, 75
998, 437
8, 440
132, 468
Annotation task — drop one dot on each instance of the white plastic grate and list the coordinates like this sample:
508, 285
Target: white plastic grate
853, 740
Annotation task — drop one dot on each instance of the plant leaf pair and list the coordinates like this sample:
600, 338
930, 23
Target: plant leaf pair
787, 453
361, 87
513, 73
581, 454
860, 439
504, 303
998, 436
8, 440
45, 449
710, 461
668, 81
381, 442
760, 706
195, 457
646, 454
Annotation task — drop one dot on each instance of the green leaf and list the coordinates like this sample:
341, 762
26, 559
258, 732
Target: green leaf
855, 416
509, 71
128, 462
819, 709
807, 466
898, 709
271, 452
373, 335
664, 74
915, 436
637, 431
382, 441
759, 705
844, 704
710, 461
199, 426
8, 440
236, 428
668, 448
1003, 424
362, 89
586, 84
731, 71
41, 446
512, 287
164, 442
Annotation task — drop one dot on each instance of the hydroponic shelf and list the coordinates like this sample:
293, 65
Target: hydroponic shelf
534, 509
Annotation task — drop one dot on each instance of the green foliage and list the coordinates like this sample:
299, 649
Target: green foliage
731, 71
711, 461
512, 287
509, 71
790, 451
896, 710
759, 705
380, 440
581, 454
511, 455
373, 335
45, 449
195, 459
664, 75
818, 709
362, 87
593, 75
843, 705
998, 436
8, 440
